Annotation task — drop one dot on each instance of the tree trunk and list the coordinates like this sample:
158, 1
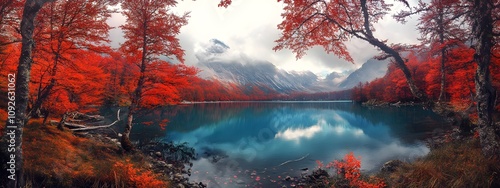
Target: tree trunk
443, 56
31, 8
485, 93
125, 139
60, 126
44, 93
400, 63
442, 92
42, 96
45, 117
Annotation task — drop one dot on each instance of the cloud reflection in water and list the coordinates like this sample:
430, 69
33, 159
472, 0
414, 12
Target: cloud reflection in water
298, 133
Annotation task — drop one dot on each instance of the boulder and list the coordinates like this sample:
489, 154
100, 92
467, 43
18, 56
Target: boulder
391, 166
158, 154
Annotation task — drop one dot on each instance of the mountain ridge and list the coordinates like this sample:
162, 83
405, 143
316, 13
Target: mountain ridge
216, 62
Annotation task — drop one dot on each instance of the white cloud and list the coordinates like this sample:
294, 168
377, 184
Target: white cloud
249, 27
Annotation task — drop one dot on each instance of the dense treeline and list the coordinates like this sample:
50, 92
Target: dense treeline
459, 87
215, 90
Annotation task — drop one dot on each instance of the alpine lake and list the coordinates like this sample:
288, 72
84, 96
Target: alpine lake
258, 144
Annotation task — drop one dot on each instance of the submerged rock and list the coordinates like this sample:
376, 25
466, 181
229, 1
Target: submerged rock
240, 182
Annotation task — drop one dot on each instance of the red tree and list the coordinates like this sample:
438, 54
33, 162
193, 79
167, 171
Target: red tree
66, 30
78, 87
150, 31
30, 10
440, 26
10, 18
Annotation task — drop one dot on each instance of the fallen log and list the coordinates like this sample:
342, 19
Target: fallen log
73, 125
87, 128
77, 116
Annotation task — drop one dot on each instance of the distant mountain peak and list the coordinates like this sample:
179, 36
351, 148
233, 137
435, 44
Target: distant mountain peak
216, 46
369, 71
211, 49
216, 43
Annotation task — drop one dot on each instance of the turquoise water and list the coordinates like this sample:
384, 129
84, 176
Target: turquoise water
260, 143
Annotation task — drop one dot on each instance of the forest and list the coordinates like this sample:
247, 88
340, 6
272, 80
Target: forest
59, 53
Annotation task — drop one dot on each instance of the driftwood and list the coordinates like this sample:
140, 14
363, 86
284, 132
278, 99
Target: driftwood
296, 160
77, 121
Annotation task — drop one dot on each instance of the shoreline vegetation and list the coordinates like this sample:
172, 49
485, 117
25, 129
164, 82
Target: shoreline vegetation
265, 101
96, 159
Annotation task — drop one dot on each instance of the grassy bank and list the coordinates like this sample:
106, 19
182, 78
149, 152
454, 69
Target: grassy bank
455, 164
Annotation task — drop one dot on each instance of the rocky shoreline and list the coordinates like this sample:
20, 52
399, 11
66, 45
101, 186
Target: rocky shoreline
172, 161
378, 103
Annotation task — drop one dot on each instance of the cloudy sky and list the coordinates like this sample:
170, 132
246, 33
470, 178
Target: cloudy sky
248, 27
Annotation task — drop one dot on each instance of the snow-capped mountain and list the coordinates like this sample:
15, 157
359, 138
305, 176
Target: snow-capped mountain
262, 73
217, 62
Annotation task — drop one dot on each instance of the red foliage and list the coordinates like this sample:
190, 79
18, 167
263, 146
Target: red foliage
133, 177
151, 29
69, 37
3, 119
225, 3
350, 169
495, 74
460, 80
459, 83
74, 87
164, 84
8, 61
10, 11
391, 88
